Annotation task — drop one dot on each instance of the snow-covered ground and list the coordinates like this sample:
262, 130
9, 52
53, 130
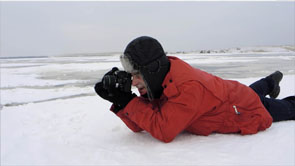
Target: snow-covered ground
51, 116
250, 50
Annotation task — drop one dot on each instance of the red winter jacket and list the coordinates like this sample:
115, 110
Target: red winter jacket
197, 102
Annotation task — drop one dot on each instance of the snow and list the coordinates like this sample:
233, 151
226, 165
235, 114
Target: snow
51, 116
252, 50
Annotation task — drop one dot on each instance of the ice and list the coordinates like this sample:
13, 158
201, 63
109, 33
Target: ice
51, 116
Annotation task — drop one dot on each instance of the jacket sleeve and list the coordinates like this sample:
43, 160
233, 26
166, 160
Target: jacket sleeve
131, 125
176, 114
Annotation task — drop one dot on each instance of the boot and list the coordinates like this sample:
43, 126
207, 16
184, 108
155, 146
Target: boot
276, 77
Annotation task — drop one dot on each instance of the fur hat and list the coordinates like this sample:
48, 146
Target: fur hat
146, 56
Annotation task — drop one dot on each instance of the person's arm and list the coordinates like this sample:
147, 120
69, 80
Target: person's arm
131, 125
173, 117
118, 97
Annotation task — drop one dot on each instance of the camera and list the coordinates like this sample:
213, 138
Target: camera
119, 79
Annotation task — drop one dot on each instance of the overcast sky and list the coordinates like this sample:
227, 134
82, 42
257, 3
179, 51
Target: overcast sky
55, 28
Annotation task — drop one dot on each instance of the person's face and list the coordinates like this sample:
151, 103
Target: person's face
139, 83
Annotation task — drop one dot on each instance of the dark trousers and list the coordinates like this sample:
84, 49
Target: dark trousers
279, 109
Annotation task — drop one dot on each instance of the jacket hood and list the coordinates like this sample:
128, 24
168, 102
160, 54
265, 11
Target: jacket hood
146, 56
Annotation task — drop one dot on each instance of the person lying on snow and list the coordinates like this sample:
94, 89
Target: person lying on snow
176, 97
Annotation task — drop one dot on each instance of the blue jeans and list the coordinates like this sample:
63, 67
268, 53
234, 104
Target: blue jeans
279, 109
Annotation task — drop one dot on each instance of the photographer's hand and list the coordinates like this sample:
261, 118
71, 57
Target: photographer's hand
119, 98
102, 92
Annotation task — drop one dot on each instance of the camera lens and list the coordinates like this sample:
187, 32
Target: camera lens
109, 81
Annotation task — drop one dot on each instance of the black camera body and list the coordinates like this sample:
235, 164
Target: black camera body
119, 79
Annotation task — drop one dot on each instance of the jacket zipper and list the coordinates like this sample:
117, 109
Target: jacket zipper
236, 110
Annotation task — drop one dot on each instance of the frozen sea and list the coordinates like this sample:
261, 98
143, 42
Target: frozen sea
50, 115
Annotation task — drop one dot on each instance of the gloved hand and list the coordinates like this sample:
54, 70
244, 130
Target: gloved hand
102, 92
119, 98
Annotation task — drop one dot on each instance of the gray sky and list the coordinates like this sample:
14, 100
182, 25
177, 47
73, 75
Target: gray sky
54, 28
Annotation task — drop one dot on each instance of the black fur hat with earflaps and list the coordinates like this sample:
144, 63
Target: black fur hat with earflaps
146, 56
